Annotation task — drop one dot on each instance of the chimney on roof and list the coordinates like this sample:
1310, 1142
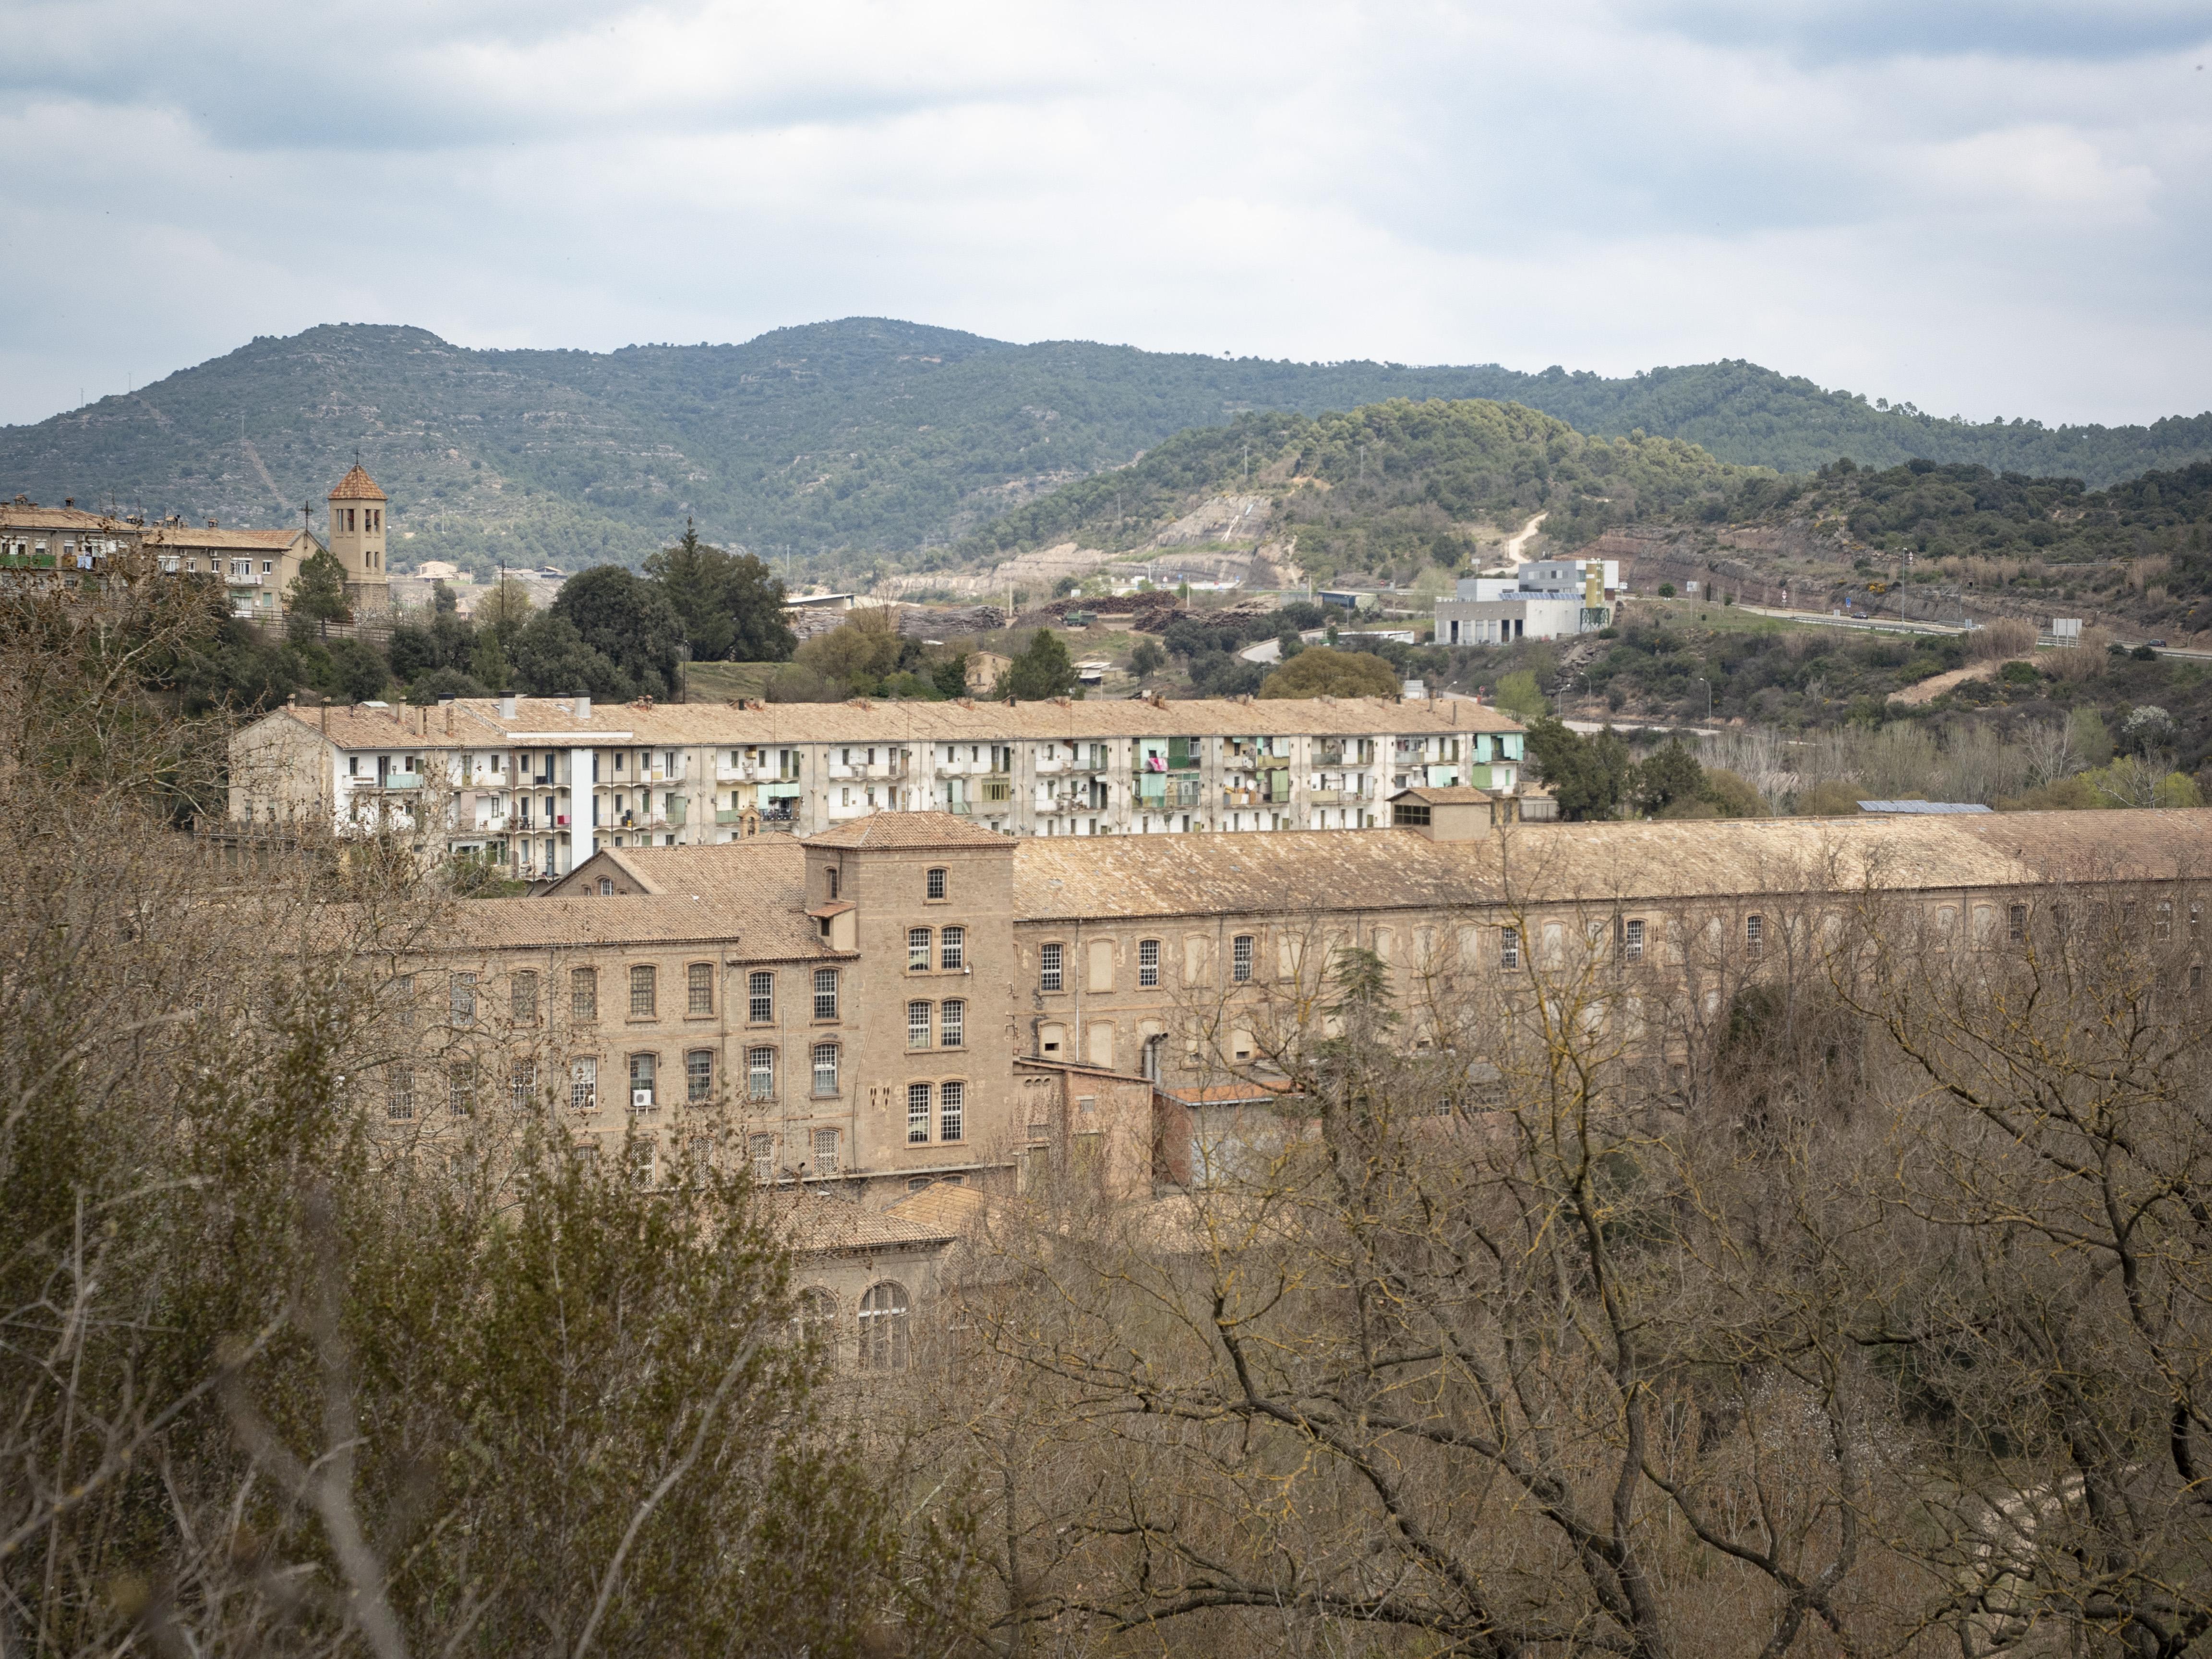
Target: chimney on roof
583, 705
211, 524
69, 500
507, 705
448, 701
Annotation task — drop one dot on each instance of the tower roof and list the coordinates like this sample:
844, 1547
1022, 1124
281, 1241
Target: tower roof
357, 486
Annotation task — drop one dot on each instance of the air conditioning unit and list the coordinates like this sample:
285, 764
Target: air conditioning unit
641, 1100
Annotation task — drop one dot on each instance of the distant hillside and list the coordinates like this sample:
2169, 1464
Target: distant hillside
2140, 550
1385, 489
868, 438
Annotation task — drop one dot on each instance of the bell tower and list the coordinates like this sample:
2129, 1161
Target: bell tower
357, 538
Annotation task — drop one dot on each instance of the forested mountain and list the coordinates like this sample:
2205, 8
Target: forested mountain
865, 437
1384, 489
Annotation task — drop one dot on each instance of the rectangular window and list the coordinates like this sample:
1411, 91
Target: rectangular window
953, 952
462, 994
702, 977
1509, 947
643, 993
522, 1083
1754, 934
461, 1088
1631, 941
825, 1068
2162, 926
917, 1025
952, 1102
917, 1114
936, 883
641, 1068
825, 1152
953, 1025
522, 995
1050, 974
583, 1083
760, 1073
699, 1075
1148, 962
640, 1163
1241, 953
761, 998
399, 1101
825, 993
917, 950
761, 1151
584, 993
2016, 923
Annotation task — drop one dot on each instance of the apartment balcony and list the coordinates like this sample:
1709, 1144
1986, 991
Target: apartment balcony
731, 815
1177, 793
1328, 797
395, 780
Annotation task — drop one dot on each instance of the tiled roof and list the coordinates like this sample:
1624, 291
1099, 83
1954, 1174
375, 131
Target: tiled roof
185, 538
813, 1220
974, 722
60, 517
631, 918
357, 486
943, 1208
917, 830
357, 725
750, 894
2122, 845
1295, 872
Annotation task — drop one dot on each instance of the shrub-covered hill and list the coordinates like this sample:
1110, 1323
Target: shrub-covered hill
1384, 489
2143, 546
868, 435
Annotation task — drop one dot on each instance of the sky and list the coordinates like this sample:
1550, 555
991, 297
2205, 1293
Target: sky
1987, 207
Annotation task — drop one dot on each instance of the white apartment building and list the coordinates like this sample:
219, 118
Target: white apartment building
537, 785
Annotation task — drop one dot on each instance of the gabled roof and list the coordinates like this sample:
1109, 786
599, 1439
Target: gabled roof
750, 894
1458, 794
357, 486
909, 830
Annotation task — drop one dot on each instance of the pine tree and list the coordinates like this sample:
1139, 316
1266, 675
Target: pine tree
318, 592
1045, 670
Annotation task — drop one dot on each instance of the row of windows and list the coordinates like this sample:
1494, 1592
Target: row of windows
644, 993
1052, 962
462, 1077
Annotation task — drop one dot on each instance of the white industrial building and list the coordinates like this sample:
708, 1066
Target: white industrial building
1544, 599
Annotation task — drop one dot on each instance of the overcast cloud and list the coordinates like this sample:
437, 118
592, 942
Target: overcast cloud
1989, 207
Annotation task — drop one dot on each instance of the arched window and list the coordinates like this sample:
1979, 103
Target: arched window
883, 1327
817, 1318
